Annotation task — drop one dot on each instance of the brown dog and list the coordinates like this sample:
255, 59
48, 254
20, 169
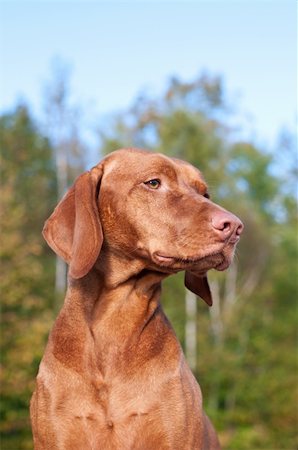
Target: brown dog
113, 376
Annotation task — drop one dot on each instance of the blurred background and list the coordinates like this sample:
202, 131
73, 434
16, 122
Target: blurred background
210, 82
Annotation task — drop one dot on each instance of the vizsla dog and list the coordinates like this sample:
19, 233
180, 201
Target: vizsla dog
113, 376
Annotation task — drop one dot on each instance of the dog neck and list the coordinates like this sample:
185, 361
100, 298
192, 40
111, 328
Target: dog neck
117, 281
116, 269
117, 304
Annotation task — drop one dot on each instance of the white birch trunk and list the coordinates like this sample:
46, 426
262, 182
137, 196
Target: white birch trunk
61, 169
191, 329
216, 319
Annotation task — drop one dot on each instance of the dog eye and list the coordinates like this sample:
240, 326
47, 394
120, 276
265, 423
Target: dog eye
206, 195
153, 184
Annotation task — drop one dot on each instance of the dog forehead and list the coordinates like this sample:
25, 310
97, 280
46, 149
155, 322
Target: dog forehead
131, 164
128, 163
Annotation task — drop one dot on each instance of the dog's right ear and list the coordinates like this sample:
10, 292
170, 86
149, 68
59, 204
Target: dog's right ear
74, 231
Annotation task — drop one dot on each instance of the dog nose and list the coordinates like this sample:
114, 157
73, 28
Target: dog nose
227, 224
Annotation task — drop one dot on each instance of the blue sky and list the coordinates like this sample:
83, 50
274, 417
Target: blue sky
116, 49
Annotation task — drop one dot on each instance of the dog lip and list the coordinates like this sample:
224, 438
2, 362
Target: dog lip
176, 259
163, 258
234, 240
222, 266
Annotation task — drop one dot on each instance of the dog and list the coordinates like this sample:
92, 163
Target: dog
113, 376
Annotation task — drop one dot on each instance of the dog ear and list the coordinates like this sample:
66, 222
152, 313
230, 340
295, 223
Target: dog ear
74, 231
198, 285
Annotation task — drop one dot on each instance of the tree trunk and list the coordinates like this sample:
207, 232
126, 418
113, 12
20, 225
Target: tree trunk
61, 170
191, 329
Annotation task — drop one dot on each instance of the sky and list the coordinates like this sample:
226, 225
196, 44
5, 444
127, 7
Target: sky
116, 49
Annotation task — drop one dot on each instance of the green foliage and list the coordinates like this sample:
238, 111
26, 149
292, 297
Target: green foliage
247, 362
27, 269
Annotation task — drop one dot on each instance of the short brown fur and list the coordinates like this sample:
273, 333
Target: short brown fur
113, 376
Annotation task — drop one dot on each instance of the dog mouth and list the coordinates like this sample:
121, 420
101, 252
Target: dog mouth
218, 260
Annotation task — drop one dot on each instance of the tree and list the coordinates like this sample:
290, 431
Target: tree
62, 120
28, 191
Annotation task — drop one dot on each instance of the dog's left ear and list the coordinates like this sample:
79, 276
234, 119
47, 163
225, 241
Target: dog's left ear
74, 231
198, 285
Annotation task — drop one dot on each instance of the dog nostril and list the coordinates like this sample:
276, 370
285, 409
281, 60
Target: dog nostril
239, 229
226, 226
